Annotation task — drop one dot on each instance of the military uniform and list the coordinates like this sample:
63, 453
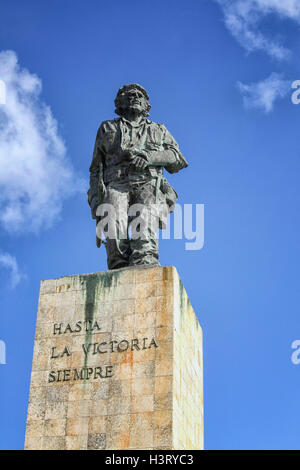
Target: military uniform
114, 180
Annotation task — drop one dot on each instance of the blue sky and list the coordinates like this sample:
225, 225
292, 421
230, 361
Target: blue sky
219, 76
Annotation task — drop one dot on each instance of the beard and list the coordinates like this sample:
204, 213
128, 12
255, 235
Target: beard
137, 109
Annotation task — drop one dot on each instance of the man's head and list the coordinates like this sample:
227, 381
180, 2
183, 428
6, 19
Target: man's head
132, 98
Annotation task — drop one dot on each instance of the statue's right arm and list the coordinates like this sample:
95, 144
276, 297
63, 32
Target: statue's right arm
96, 175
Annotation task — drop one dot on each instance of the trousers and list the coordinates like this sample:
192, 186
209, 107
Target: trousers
130, 223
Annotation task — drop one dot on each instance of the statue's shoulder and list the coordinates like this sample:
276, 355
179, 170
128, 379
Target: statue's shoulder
152, 123
156, 125
109, 125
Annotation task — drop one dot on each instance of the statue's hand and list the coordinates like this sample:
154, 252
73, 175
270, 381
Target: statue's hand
139, 163
101, 191
139, 159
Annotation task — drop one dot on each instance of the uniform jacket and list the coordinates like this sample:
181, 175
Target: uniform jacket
115, 136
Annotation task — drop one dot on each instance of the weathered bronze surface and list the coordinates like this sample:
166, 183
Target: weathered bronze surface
127, 170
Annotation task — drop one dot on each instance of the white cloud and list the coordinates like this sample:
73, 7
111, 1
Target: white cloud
264, 94
9, 262
35, 175
243, 18
287, 8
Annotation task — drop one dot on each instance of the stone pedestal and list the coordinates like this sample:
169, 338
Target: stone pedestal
117, 363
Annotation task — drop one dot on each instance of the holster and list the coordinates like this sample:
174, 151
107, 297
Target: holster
170, 198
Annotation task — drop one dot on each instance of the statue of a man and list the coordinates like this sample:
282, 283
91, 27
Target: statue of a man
127, 170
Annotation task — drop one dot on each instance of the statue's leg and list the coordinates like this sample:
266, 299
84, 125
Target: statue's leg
117, 243
144, 243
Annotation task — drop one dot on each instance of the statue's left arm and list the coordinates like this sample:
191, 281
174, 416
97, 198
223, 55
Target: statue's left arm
170, 157
96, 175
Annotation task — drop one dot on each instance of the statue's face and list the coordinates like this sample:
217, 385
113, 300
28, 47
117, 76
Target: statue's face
133, 100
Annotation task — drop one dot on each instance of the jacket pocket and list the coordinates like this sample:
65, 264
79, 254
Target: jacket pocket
108, 139
154, 137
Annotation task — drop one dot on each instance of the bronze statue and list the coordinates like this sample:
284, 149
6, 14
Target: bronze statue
127, 170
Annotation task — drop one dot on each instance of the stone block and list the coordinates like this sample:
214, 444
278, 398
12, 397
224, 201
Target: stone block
117, 363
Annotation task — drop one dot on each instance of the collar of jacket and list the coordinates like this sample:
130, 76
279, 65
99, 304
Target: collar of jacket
143, 121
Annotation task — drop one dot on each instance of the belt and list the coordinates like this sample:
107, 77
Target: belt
113, 174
